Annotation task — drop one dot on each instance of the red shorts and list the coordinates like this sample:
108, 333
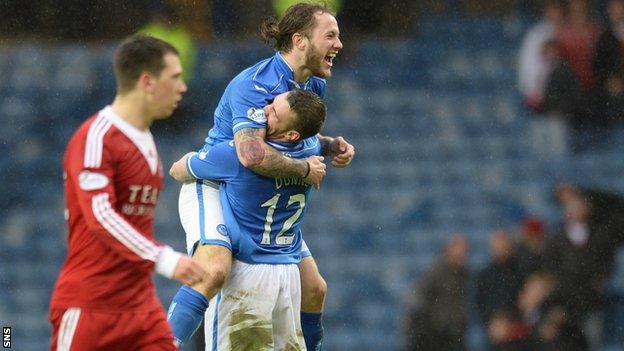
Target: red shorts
82, 329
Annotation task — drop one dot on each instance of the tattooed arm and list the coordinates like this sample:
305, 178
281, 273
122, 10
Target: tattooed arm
254, 153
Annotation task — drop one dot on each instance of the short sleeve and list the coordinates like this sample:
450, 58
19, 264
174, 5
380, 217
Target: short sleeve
219, 163
247, 102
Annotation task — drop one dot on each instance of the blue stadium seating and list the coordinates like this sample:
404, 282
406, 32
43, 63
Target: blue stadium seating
443, 145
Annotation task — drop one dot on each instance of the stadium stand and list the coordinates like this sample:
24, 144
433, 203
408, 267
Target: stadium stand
443, 146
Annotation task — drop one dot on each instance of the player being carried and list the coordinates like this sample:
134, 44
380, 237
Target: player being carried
259, 305
104, 298
307, 40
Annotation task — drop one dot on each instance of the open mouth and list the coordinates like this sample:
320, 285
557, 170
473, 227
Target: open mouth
329, 59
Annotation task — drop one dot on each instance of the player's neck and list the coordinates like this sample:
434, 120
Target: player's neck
131, 108
300, 72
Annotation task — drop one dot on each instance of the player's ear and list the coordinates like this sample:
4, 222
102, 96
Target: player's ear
146, 81
299, 41
293, 135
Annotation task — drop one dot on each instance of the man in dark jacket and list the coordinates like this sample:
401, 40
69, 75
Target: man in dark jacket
438, 307
581, 255
499, 283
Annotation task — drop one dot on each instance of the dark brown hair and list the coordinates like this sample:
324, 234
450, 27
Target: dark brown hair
299, 18
138, 54
310, 111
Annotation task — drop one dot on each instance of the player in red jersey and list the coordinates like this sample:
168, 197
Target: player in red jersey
104, 298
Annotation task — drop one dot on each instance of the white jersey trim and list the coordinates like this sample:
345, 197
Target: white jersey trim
94, 146
143, 140
278, 84
259, 69
286, 62
280, 148
122, 230
69, 323
238, 125
189, 168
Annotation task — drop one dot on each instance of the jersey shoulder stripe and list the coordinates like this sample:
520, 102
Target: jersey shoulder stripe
94, 146
266, 77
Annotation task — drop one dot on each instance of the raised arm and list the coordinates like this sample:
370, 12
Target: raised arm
254, 153
340, 151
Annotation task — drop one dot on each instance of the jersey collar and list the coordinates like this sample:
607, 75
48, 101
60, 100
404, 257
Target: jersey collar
131, 131
302, 145
142, 139
288, 73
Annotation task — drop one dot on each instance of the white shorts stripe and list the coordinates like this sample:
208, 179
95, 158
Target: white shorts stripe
199, 207
122, 230
94, 145
69, 323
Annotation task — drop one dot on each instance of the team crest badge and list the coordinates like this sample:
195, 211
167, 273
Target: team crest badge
92, 180
222, 229
257, 115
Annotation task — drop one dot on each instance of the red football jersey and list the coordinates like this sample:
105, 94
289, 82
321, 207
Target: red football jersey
112, 179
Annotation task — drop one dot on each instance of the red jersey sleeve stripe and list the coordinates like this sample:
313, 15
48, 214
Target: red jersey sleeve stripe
122, 230
95, 142
69, 323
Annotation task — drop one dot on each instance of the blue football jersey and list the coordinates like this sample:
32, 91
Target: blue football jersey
249, 92
263, 215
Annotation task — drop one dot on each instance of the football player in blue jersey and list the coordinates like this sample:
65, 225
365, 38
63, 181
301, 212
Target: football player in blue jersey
307, 40
259, 306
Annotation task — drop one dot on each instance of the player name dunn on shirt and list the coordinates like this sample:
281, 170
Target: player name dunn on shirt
294, 181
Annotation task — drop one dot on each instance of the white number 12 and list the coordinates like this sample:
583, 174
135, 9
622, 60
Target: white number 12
280, 239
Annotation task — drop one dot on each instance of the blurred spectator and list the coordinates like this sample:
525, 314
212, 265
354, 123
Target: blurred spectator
609, 65
581, 255
547, 84
578, 38
557, 332
438, 308
165, 24
536, 289
507, 332
562, 106
197, 16
533, 67
530, 247
500, 281
547, 317
609, 58
563, 94
610, 101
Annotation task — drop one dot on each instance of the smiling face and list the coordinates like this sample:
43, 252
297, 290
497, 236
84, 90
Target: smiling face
324, 45
166, 89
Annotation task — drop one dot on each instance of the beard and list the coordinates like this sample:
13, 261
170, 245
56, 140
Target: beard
315, 60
